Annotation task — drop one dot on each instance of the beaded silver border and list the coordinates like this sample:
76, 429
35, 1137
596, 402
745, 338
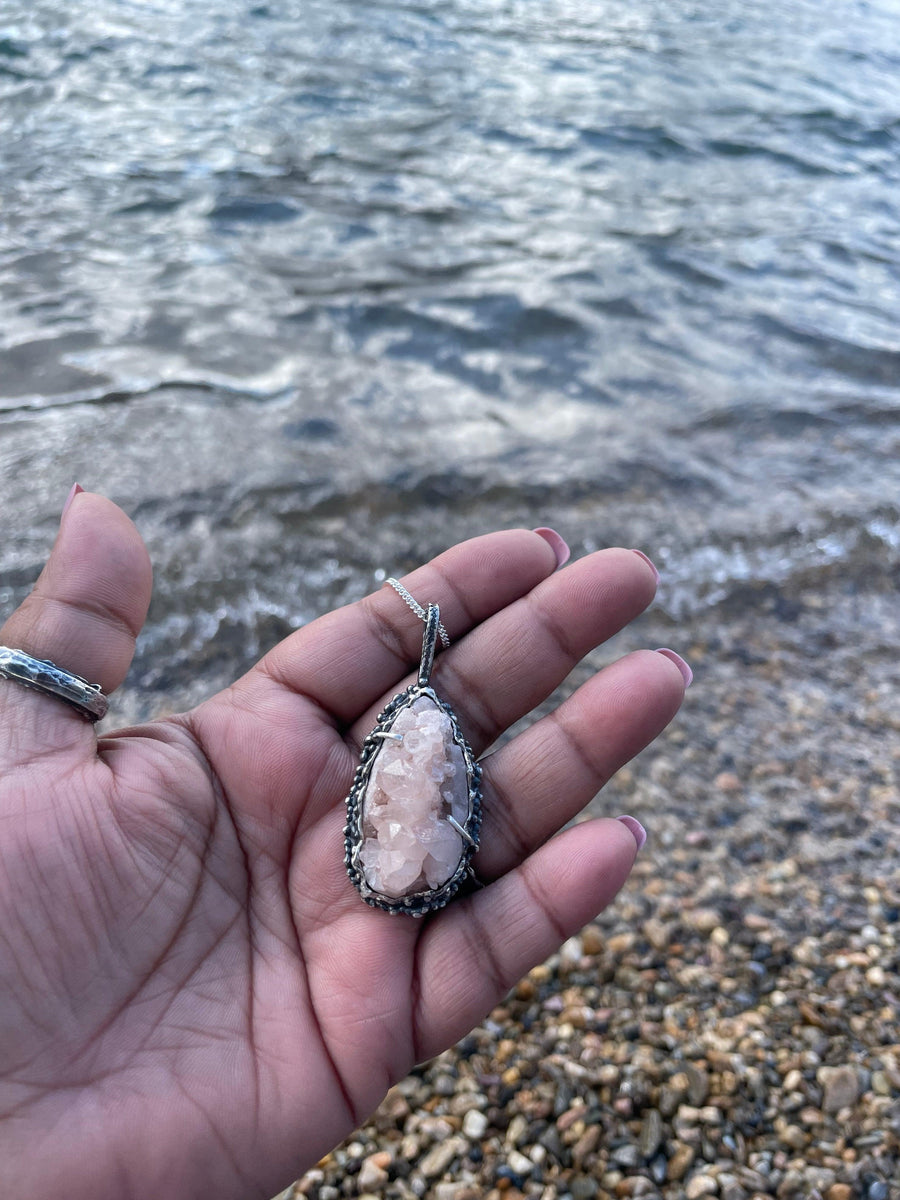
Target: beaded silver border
427, 901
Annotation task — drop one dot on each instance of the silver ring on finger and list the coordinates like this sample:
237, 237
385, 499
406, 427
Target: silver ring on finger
41, 675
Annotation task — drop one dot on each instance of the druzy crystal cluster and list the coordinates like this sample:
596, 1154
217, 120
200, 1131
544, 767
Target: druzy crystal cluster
416, 783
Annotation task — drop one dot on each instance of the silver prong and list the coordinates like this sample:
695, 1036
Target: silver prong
463, 833
394, 737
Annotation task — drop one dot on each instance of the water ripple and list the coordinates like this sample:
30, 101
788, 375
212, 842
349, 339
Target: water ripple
368, 276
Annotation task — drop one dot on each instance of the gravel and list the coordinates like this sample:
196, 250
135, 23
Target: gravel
729, 1027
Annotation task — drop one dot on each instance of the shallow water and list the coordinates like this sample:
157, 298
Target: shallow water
315, 288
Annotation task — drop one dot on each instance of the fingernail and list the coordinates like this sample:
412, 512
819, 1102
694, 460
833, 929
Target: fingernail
556, 544
76, 490
638, 832
650, 563
679, 662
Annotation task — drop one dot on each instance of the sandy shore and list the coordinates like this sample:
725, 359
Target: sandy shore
729, 1028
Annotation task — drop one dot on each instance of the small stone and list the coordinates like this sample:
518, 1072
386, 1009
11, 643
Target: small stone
582, 1187
568, 1118
409, 1148
704, 920
372, 1175
517, 1130
591, 940
620, 944
757, 922
571, 950
641, 1187
839, 1191
731, 1189
435, 1127
450, 1191
841, 1086
658, 933
686, 1117
463, 1102
578, 1016
698, 1084
475, 1124
792, 1185
820, 1179
878, 1190
651, 1135
440, 1156
519, 1163
626, 1156
793, 1080
700, 1185
658, 1169
680, 1162
394, 1109
794, 1138
586, 1144
755, 1180
553, 1144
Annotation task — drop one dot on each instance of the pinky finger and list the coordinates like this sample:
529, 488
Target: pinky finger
471, 956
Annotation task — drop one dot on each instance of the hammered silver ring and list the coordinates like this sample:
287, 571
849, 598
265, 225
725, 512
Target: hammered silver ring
46, 677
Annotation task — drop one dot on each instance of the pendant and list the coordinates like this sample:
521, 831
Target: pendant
414, 811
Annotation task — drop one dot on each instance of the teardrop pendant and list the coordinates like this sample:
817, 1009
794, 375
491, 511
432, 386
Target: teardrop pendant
414, 811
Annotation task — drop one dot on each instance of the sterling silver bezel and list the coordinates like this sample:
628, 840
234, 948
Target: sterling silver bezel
421, 903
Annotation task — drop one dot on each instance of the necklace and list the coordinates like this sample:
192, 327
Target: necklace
414, 811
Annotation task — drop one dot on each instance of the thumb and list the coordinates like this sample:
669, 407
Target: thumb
84, 613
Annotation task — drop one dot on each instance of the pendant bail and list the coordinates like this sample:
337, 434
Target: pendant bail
429, 640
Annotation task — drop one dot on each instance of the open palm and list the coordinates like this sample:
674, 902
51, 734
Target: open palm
193, 998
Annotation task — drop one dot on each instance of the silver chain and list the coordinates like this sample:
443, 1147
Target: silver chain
417, 608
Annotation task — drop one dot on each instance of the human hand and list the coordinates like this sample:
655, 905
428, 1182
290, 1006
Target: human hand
193, 998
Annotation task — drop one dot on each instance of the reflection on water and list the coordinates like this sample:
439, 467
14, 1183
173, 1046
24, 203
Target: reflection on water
315, 288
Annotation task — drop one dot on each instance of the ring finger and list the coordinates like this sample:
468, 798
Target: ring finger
544, 777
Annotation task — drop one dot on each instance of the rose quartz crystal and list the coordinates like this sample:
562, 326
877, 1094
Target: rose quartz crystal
415, 784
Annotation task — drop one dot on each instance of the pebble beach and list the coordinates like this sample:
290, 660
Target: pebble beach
729, 1027
314, 289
